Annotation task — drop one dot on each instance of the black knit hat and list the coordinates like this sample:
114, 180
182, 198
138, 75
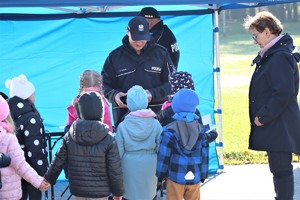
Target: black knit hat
89, 107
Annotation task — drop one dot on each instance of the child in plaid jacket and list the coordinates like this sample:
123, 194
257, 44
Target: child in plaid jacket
183, 149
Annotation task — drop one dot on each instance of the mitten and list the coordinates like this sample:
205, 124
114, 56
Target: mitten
4, 160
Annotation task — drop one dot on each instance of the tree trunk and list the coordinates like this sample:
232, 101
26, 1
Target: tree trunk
236, 14
289, 10
279, 11
295, 11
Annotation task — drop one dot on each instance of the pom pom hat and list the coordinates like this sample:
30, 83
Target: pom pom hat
4, 109
137, 98
20, 87
185, 100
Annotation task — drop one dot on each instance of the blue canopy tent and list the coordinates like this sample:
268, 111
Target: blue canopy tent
53, 41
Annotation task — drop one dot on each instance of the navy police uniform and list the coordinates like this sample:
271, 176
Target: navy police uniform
125, 68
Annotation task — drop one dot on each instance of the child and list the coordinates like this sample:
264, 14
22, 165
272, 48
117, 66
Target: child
11, 175
91, 154
90, 81
30, 129
180, 152
138, 139
178, 80
4, 157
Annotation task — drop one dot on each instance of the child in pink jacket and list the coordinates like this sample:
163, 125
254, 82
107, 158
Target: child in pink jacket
90, 81
18, 168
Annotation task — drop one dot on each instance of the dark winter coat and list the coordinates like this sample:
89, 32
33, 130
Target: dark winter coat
30, 133
125, 68
273, 99
165, 37
93, 160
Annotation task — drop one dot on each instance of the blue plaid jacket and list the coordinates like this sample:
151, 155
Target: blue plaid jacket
183, 148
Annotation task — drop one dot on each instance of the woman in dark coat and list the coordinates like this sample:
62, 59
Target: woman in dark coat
273, 108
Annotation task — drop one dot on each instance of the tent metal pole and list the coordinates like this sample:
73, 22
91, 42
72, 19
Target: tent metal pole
217, 70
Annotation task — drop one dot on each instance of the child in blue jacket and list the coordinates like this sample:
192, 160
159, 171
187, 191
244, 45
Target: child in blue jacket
138, 139
183, 149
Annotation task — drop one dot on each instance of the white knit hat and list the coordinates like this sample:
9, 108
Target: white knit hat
20, 87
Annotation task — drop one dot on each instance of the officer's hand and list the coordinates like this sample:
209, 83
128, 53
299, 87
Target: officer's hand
149, 96
118, 100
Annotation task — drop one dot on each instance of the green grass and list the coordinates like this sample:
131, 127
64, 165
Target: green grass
237, 52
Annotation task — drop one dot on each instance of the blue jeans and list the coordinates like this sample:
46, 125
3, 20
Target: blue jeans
280, 164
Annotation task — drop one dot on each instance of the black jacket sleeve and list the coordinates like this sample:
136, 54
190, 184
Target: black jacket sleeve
165, 116
58, 163
211, 136
115, 170
109, 80
35, 144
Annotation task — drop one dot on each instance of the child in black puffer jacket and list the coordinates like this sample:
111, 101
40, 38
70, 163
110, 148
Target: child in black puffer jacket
89, 149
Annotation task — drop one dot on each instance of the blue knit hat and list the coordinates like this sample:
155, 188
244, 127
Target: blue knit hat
137, 98
185, 100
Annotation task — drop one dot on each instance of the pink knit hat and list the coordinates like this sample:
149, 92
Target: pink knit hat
4, 109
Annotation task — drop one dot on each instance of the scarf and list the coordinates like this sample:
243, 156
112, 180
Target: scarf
185, 116
269, 45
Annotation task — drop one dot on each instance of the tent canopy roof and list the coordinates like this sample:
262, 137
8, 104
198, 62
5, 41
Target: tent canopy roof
50, 9
46, 3
103, 4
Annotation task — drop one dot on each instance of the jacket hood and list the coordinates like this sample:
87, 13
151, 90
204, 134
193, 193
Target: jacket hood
19, 106
136, 126
186, 134
296, 54
88, 132
284, 44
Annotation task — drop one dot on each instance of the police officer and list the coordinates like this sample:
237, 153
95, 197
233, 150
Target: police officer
139, 61
161, 33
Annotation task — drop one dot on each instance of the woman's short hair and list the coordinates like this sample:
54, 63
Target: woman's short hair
263, 20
